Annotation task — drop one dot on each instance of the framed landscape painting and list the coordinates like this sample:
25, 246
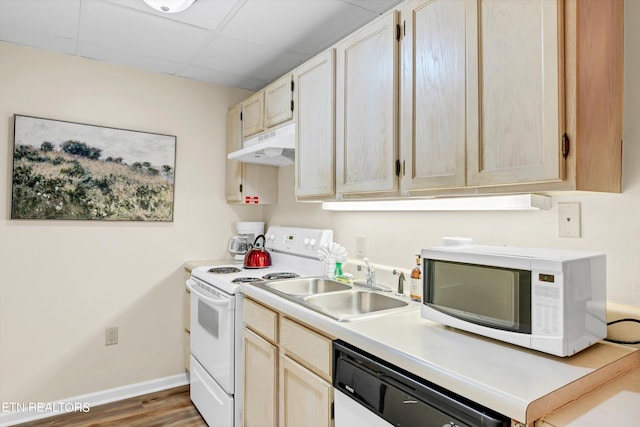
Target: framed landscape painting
66, 170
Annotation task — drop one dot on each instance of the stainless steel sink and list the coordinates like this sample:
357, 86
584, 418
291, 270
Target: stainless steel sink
308, 286
338, 300
354, 304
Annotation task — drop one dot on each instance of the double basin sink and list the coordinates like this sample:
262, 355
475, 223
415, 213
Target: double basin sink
341, 301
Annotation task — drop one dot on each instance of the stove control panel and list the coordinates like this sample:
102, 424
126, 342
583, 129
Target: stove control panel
297, 241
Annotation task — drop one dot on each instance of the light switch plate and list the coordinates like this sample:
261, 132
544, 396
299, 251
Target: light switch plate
569, 219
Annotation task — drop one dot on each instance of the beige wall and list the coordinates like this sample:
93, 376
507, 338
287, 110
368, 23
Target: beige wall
610, 222
63, 282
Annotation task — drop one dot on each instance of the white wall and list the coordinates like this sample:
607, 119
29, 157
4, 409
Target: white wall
63, 282
610, 222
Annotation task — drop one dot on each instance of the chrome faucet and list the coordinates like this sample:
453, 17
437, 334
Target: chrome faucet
401, 279
370, 273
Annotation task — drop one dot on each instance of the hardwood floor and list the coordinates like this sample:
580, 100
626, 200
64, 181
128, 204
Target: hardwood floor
171, 407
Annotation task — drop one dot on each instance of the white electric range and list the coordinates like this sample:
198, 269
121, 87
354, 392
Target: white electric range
216, 318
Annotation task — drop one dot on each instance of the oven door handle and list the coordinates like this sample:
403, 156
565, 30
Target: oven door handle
213, 301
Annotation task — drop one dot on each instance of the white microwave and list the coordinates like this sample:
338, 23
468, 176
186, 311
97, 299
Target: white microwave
544, 299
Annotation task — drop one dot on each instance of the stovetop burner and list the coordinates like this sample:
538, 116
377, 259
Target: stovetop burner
280, 275
224, 270
247, 280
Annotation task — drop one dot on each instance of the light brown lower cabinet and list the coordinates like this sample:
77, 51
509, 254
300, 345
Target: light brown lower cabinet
187, 322
260, 381
287, 371
305, 398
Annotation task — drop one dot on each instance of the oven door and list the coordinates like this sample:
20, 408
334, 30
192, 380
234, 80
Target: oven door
212, 332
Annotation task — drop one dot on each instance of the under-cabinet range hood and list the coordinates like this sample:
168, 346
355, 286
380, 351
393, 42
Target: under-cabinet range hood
273, 148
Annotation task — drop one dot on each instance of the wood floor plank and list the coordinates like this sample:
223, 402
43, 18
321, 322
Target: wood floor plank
167, 408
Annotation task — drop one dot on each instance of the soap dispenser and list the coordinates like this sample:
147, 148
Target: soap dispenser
416, 281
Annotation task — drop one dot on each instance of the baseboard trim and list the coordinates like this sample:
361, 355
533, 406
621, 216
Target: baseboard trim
49, 409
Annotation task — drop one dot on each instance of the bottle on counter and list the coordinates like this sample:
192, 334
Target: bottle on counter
415, 291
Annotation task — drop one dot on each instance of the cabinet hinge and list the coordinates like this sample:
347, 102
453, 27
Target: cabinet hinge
398, 32
240, 116
241, 188
332, 411
404, 169
291, 85
565, 145
292, 105
398, 167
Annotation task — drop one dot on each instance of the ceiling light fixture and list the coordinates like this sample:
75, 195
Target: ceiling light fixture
492, 203
169, 6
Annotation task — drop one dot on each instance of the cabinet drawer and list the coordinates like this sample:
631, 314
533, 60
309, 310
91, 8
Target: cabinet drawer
261, 320
308, 347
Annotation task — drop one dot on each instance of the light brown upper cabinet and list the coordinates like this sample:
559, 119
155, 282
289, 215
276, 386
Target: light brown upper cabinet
366, 109
514, 96
315, 129
278, 98
247, 183
434, 94
511, 95
269, 107
253, 114
594, 87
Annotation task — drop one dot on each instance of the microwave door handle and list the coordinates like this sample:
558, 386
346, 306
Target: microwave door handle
213, 301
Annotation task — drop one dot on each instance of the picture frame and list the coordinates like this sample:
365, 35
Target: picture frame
73, 171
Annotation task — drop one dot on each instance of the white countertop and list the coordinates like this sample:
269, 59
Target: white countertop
503, 377
615, 403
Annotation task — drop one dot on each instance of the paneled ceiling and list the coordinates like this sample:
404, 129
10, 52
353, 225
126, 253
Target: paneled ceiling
239, 43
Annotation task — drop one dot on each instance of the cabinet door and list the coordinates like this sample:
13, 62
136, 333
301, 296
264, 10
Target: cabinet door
305, 399
277, 101
315, 118
253, 114
260, 381
366, 108
247, 183
520, 113
234, 143
433, 110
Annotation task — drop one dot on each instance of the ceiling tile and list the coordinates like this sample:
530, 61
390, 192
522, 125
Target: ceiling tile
378, 6
247, 59
222, 78
304, 26
243, 43
203, 13
136, 60
127, 30
58, 17
49, 42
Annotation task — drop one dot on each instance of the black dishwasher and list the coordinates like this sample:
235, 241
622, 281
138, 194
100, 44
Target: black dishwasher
402, 398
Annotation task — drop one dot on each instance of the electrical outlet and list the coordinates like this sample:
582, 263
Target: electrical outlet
569, 219
111, 336
361, 246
